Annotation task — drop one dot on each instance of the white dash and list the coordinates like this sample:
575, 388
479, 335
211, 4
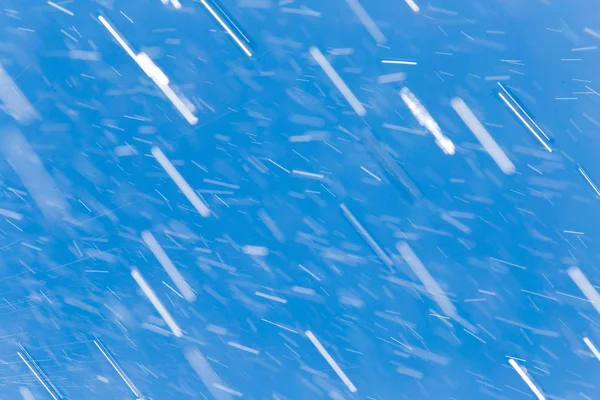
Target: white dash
58, 7
117, 368
486, 140
158, 305
180, 182
337, 81
270, 297
585, 286
168, 265
331, 361
589, 181
413, 6
39, 378
366, 20
367, 237
117, 37
227, 28
426, 120
243, 348
400, 62
593, 348
307, 174
526, 378
433, 288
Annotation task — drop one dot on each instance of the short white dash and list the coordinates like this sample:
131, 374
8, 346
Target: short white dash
180, 182
58, 7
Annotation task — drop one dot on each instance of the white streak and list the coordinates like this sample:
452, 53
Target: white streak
413, 6
400, 62
243, 348
155, 73
17, 105
337, 81
58, 7
117, 368
39, 378
331, 361
433, 288
585, 286
203, 369
158, 305
270, 297
486, 140
367, 237
589, 181
426, 120
526, 378
168, 265
537, 136
180, 182
32, 173
366, 20
593, 348
117, 37
227, 29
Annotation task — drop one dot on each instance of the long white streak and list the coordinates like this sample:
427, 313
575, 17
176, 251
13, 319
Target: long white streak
227, 29
366, 236
537, 136
168, 265
413, 6
158, 305
433, 288
331, 361
400, 62
179, 104
117, 368
155, 73
37, 376
337, 81
205, 372
17, 105
162, 81
526, 378
486, 140
180, 182
585, 286
367, 21
426, 120
593, 348
32, 173
587, 178
117, 37
523, 111
58, 7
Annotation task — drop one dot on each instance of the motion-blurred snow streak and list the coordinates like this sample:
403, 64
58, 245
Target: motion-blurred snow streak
334, 365
34, 176
117, 368
158, 305
486, 140
208, 376
337, 81
585, 286
15, 103
527, 379
427, 121
181, 183
168, 265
